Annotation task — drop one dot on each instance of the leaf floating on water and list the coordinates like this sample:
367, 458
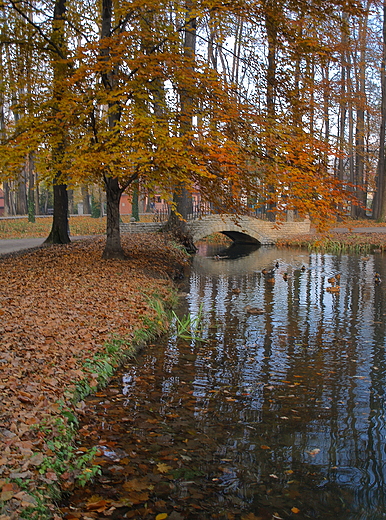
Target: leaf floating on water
313, 452
295, 510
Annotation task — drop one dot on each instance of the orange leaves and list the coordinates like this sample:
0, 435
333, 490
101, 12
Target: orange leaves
60, 305
8, 491
97, 504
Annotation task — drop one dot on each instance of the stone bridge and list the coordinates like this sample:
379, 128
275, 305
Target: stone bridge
241, 229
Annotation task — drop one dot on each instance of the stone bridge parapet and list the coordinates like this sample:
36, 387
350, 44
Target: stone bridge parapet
141, 227
239, 228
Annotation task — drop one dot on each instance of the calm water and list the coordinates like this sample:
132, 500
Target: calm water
277, 415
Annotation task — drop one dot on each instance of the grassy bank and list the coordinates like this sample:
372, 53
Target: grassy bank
68, 320
361, 243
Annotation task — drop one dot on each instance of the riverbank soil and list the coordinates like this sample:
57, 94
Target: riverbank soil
60, 306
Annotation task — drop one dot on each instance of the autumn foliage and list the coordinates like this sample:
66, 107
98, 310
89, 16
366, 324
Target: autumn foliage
154, 92
60, 307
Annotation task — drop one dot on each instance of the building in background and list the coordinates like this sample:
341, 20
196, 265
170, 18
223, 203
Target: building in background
1, 203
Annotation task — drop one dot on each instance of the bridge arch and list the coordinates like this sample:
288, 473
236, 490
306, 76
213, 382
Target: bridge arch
246, 230
241, 229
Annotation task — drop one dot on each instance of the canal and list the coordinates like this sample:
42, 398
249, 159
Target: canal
277, 411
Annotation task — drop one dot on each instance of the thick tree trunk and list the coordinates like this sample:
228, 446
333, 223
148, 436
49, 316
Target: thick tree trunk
176, 224
113, 248
21, 195
59, 230
60, 227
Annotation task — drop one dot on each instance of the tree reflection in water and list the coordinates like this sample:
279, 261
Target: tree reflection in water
278, 415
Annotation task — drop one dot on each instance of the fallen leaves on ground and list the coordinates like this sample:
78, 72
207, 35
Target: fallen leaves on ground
79, 226
58, 307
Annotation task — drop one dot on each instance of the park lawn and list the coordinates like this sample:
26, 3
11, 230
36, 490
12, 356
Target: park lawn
68, 319
79, 226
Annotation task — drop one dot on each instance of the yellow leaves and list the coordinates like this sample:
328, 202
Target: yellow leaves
163, 468
295, 510
161, 516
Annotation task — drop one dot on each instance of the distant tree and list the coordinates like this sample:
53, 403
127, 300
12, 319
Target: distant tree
379, 207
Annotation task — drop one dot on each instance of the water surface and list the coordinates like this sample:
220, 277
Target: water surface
279, 413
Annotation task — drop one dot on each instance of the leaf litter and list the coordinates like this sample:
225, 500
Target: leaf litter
59, 305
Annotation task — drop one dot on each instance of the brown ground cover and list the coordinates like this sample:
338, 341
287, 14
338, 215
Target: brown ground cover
59, 307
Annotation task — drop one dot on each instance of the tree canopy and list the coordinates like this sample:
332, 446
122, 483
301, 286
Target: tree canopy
230, 98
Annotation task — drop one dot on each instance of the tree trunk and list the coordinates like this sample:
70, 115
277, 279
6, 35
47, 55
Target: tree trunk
86, 200
60, 228
350, 110
135, 202
59, 231
183, 204
360, 211
379, 207
9, 200
21, 194
31, 188
342, 104
271, 32
113, 248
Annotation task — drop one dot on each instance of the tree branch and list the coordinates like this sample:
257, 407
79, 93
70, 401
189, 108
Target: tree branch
36, 26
